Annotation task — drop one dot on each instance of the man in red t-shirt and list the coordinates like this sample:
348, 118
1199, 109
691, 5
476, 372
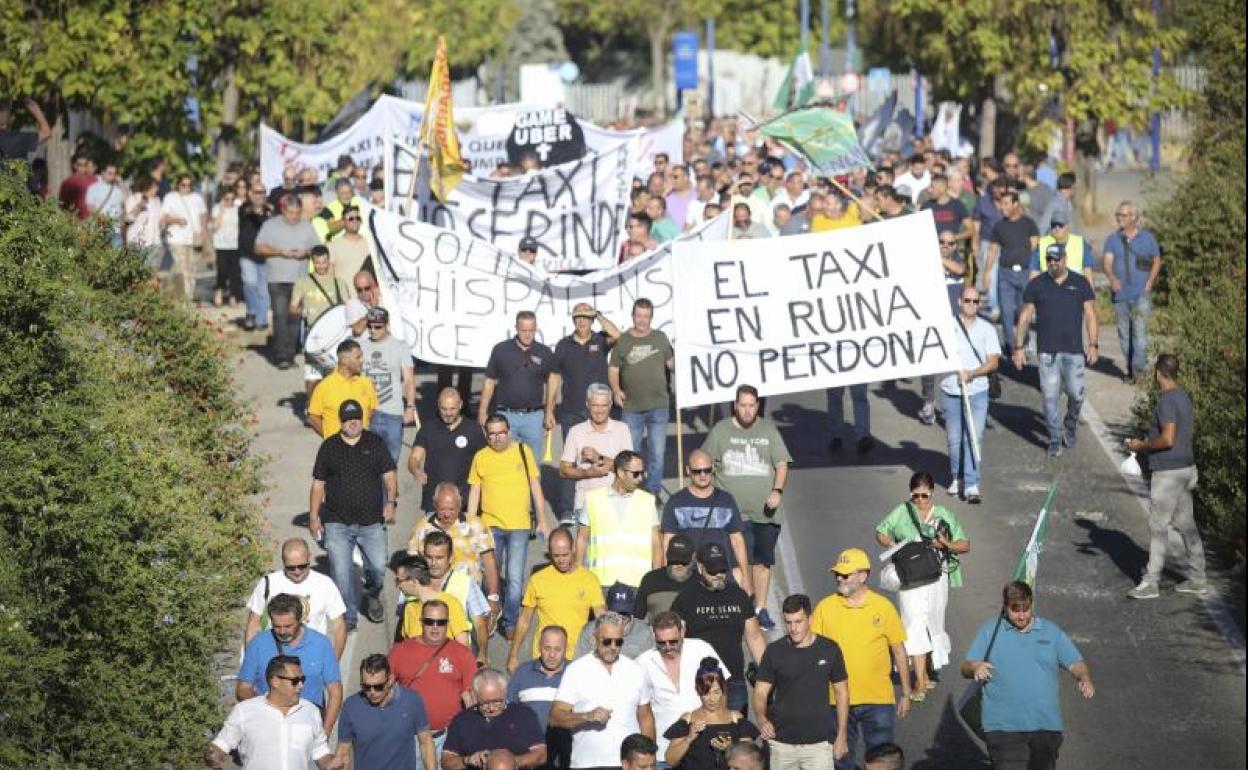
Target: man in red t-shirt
438, 668
73, 192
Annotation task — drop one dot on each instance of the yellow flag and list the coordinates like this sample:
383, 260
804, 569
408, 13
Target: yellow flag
437, 130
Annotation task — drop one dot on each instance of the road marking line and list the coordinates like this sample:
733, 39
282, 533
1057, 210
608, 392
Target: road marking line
1214, 605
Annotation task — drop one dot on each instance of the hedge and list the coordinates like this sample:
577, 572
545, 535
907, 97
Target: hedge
128, 523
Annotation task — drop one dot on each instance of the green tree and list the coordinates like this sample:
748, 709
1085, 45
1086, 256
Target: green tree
980, 51
1202, 231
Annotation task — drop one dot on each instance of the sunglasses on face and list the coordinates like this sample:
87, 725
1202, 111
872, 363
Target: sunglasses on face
295, 680
295, 567
497, 434
353, 219
435, 622
365, 687
700, 471
920, 495
612, 641
376, 326
970, 301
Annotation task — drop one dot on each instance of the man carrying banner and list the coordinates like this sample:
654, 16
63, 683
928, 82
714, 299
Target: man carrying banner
1017, 662
516, 373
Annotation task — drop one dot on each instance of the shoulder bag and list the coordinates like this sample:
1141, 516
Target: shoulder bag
971, 705
918, 563
425, 666
528, 479
994, 378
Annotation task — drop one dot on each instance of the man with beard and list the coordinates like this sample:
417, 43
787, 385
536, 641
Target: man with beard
671, 669
384, 726
289, 636
660, 586
752, 465
720, 612
619, 532
355, 490
602, 699
443, 449
867, 628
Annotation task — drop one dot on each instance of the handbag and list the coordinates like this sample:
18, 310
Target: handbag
994, 378
971, 705
918, 564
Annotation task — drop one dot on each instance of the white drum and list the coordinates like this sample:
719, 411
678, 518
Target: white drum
321, 346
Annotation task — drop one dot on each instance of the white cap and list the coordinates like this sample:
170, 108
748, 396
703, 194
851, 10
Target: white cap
355, 311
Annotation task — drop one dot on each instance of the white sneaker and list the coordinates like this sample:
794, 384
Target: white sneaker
1147, 589
972, 495
955, 488
1196, 587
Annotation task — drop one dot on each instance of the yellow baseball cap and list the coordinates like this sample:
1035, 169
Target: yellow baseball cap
850, 561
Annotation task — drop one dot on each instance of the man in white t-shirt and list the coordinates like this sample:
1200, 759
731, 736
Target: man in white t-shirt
915, 180
706, 193
602, 699
323, 608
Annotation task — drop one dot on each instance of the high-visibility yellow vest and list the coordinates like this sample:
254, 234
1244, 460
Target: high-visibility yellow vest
1075, 252
619, 543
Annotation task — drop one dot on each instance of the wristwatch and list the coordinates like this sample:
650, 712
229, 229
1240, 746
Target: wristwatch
491, 597
777, 490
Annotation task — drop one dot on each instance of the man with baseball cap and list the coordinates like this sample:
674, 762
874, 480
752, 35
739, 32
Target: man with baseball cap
355, 494
527, 250
388, 363
867, 628
638, 638
1060, 238
659, 587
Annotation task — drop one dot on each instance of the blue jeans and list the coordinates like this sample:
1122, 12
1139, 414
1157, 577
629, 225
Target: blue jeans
255, 289
1133, 332
390, 428
527, 427
874, 722
340, 542
438, 742
1061, 372
862, 410
738, 695
961, 461
1010, 286
511, 549
651, 423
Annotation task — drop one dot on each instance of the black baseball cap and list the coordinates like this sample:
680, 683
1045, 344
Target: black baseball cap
711, 555
350, 410
680, 550
528, 244
378, 315
1055, 251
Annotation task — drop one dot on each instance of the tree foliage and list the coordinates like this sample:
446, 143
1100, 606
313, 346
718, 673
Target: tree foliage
1103, 67
1203, 235
127, 535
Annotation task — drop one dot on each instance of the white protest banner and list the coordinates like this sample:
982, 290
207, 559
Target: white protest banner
576, 211
452, 297
483, 135
806, 312
668, 138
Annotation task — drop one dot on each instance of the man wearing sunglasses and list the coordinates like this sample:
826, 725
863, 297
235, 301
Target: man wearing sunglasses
383, 726
349, 249
326, 612
619, 530
279, 730
704, 513
388, 363
493, 727
602, 699
289, 636
438, 668
670, 670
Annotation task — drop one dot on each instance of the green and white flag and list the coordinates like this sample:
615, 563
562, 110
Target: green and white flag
798, 87
1029, 562
824, 135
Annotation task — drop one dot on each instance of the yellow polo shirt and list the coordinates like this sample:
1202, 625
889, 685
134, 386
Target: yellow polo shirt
455, 614
864, 635
822, 223
506, 498
562, 599
333, 391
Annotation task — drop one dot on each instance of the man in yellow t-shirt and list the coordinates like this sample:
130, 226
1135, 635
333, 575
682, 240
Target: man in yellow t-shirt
562, 594
503, 483
840, 213
867, 628
346, 382
411, 576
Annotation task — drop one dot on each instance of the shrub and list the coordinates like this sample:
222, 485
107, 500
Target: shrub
128, 527
1202, 232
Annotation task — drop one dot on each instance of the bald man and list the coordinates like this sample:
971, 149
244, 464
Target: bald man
323, 608
444, 448
705, 513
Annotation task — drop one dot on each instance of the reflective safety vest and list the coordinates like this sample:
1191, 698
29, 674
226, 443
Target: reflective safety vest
1076, 251
619, 542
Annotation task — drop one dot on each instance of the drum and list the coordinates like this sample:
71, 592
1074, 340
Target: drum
321, 346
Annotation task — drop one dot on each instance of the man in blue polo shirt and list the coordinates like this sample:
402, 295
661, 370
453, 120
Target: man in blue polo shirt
1017, 661
383, 726
493, 726
1132, 260
287, 635
535, 683
1061, 302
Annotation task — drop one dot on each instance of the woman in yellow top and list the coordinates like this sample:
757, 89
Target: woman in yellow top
923, 608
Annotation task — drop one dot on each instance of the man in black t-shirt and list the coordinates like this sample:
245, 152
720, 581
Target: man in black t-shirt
797, 669
660, 586
443, 449
1013, 240
720, 613
355, 494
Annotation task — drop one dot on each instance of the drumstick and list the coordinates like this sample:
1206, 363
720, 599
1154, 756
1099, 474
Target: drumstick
546, 456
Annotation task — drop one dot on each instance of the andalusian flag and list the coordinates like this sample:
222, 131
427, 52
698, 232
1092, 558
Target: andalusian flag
824, 135
1030, 560
799, 84
437, 129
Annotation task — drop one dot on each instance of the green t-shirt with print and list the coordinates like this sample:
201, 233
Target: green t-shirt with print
745, 464
642, 362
